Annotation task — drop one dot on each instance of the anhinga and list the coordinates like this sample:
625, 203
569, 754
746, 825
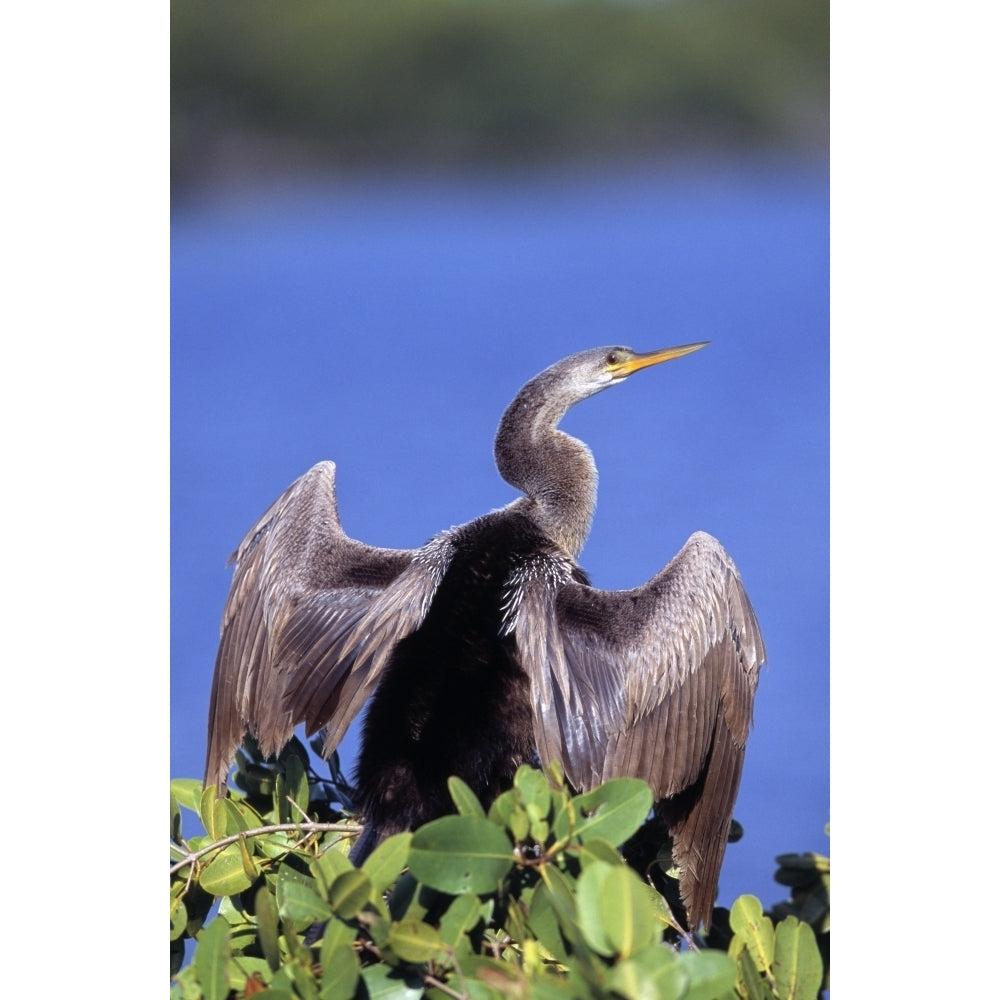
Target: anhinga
488, 645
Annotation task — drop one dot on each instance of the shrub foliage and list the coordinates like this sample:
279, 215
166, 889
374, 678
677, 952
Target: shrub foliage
529, 900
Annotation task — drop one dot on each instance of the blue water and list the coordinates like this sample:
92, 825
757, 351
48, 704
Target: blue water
385, 321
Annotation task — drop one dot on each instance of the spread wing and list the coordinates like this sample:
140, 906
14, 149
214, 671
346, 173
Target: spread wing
656, 683
311, 618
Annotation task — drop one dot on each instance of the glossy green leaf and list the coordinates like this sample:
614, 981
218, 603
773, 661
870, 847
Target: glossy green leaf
414, 941
596, 849
544, 924
349, 892
206, 812
385, 983
385, 863
508, 811
613, 811
211, 960
500, 809
505, 979
459, 854
752, 985
549, 986
296, 786
187, 792
301, 902
335, 934
466, 801
614, 910
756, 931
328, 866
590, 888
650, 974
798, 966
710, 974
341, 972
306, 986
463, 914
178, 919
238, 819
175, 818
559, 889
534, 790
250, 867
266, 909
225, 875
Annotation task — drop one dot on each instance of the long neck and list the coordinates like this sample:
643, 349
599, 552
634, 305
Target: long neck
554, 470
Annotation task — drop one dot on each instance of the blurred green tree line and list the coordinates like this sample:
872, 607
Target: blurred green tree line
459, 80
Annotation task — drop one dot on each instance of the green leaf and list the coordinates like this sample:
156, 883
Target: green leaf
544, 924
462, 915
178, 919
588, 901
187, 792
559, 889
756, 931
250, 867
613, 811
236, 820
651, 974
349, 892
754, 986
459, 854
336, 934
711, 974
301, 902
306, 986
414, 941
385, 983
206, 812
211, 960
798, 966
329, 866
266, 910
341, 971
614, 910
508, 811
225, 875
502, 979
598, 850
536, 796
296, 786
385, 863
175, 818
466, 801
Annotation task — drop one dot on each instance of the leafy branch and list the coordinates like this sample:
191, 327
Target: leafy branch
531, 898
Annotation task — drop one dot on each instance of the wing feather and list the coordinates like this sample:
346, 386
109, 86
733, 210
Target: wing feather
293, 631
656, 682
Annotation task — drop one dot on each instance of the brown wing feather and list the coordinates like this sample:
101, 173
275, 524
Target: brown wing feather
300, 587
656, 683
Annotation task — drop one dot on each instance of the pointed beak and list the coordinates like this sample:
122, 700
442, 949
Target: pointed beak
634, 362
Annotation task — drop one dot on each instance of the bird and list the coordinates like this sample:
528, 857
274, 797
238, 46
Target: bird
488, 647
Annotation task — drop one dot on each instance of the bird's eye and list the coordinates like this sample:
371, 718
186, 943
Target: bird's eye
613, 358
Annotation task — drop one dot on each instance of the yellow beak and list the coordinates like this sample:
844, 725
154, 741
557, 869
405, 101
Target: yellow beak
634, 362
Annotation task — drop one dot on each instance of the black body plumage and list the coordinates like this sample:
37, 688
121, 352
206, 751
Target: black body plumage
454, 698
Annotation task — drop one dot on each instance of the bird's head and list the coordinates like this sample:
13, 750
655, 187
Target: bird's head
588, 372
620, 362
